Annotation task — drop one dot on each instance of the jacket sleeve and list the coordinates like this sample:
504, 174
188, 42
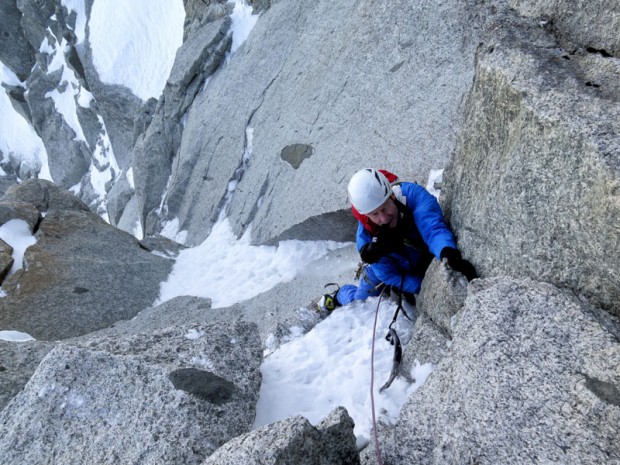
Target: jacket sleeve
362, 237
429, 218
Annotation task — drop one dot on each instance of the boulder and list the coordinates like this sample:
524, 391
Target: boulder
294, 440
538, 195
282, 159
533, 377
44, 196
442, 295
162, 245
18, 210
81, 275
172, 396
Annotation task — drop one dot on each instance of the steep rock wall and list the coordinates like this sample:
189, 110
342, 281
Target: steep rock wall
534, 185
319, 90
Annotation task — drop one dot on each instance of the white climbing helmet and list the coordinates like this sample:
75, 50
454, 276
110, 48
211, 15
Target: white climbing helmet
368, 190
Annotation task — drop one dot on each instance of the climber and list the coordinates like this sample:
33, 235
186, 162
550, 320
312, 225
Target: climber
401, 228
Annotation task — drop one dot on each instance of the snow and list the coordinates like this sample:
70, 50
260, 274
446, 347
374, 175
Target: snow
15, 336
206, 270
17, 234
435, 176
330, 366
242, 23
135, 42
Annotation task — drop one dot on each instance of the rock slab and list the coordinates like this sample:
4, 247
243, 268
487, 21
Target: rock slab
111, 400
533, 377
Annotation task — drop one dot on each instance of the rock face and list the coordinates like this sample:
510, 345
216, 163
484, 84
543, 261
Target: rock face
198, 57
532, 377
524, 370
534, 185
298, 132
81, 275
172, 396
58, 75
18, 362
595, 27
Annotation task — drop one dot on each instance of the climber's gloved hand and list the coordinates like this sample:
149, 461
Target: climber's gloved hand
457, 263
372, 251
388, 240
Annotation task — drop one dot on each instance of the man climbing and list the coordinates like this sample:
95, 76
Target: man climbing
401, 228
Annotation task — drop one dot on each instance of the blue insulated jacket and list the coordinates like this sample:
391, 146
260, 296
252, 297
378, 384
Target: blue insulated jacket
433, 229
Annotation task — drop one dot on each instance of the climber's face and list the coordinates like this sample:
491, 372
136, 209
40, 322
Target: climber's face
386, 214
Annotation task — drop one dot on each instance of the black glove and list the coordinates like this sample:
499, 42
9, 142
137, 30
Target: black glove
371, 252
456, 262
388, 240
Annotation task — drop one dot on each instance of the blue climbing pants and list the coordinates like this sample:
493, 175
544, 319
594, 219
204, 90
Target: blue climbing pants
367, 288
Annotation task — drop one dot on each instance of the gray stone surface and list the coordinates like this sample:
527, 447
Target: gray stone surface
293, 441
16, 210
533, 377
18, 362
588, 24
68, 156
338, 437
43, 195
6, 259
538, 194
6, 182
201, 53
112, 399
81, 275
35, 19
442, 295
117, 199
15, 51
428, 344
290, 83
